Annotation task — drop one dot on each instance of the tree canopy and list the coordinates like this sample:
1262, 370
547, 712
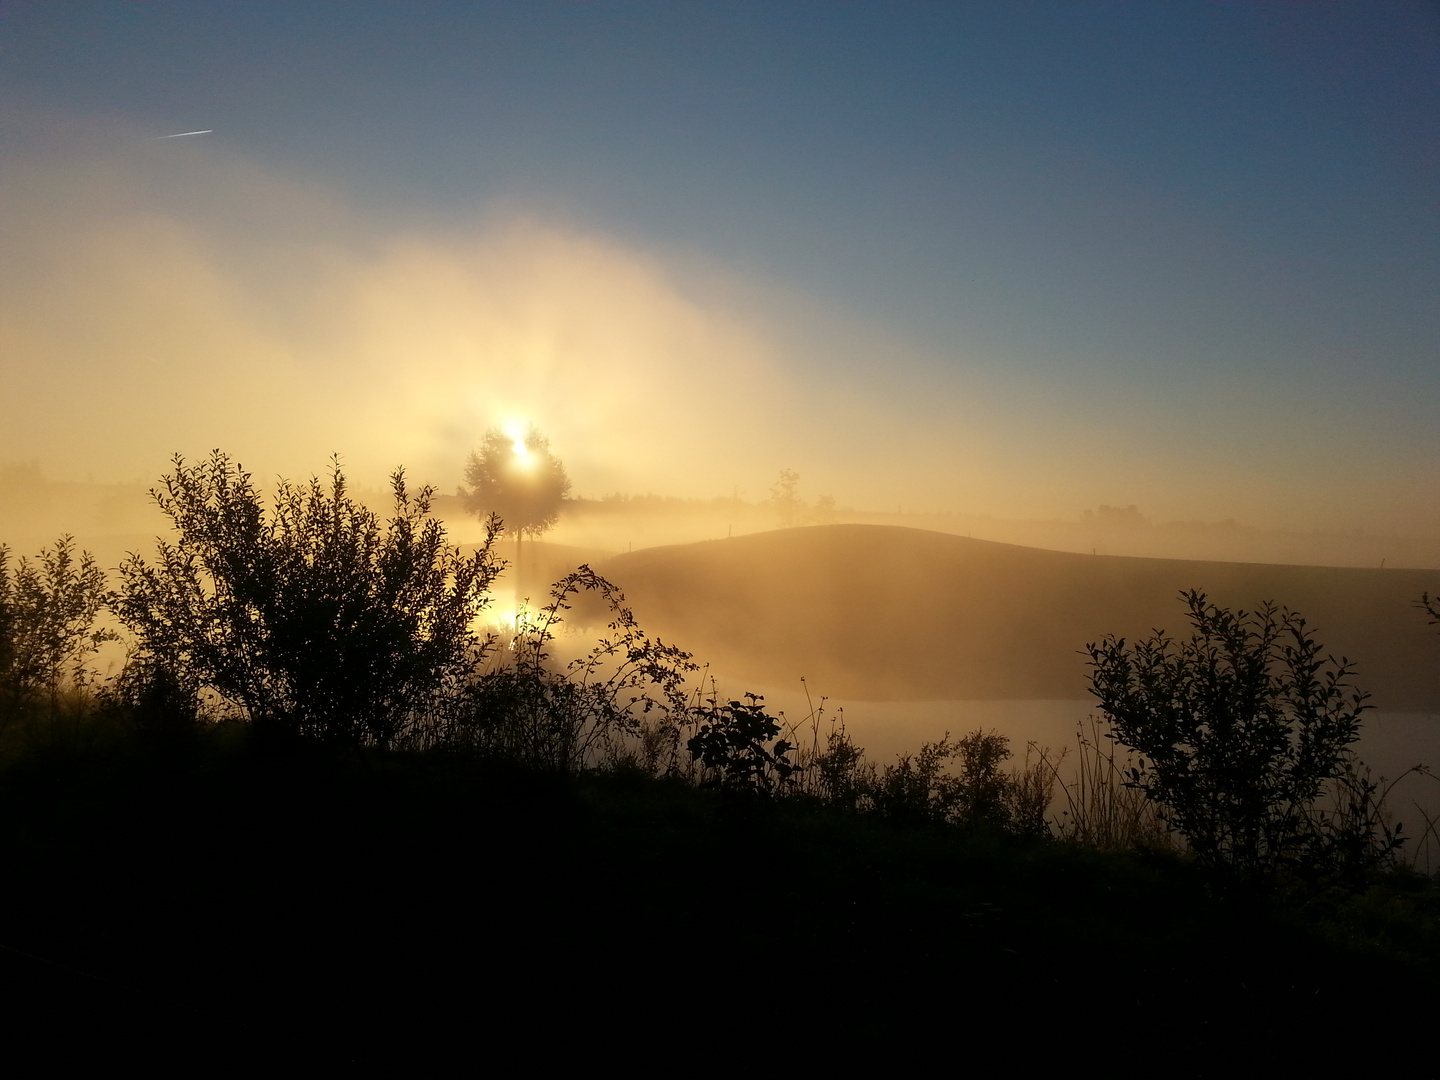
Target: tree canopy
518, 479
313, 618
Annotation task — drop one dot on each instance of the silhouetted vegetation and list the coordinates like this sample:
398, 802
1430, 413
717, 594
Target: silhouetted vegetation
785, 498
310, 620
48, 631
1240, 731
517, 479
740, 749
1431, 606
554, 824
790, 508
1103, 808
623, 703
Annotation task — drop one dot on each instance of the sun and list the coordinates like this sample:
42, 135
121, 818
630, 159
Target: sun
516, 430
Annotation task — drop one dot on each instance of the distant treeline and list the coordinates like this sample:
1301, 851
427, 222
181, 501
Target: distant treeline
33, 505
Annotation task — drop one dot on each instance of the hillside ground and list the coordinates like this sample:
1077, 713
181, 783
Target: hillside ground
212, 903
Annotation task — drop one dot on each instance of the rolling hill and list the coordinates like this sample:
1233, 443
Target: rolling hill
878, 612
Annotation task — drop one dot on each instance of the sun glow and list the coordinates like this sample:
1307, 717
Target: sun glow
516, 430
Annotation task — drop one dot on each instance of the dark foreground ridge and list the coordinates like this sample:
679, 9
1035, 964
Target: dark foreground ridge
878, 612
214, 903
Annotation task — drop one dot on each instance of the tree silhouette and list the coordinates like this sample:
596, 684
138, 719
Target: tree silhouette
48, 632
517, 479
784, 498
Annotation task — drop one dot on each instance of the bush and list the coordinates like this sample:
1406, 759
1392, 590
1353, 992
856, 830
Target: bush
839, 776
623, 703
48, 614
310, 620
1241, 729
919, 789
738, 746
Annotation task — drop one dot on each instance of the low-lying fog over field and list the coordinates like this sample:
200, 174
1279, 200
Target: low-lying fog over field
905, 349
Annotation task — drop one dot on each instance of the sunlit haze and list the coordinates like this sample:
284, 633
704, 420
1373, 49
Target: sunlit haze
1008, 260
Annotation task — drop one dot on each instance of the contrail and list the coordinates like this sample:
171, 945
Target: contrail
182, 134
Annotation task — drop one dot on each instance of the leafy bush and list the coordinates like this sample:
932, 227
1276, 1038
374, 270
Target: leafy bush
48, 632
311, 619
1028, 794
917, 788
839, 776
738, 746
1240, 729
622, 703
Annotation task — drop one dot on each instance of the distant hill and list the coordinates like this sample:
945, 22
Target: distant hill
879, 612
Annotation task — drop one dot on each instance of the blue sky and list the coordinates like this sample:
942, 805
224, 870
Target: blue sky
1001, 258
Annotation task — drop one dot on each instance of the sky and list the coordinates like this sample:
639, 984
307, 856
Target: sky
1019, 259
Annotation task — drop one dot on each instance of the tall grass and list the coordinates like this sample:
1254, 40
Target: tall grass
1101, 807
1425, 853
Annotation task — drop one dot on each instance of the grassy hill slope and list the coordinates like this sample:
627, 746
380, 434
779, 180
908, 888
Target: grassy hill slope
885, 613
